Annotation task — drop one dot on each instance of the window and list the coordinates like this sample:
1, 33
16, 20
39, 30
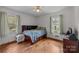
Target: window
56, 25
12, 23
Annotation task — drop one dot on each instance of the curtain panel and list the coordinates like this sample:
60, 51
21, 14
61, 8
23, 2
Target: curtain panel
4, 25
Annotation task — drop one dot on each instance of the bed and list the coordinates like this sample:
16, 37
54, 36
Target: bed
33, 33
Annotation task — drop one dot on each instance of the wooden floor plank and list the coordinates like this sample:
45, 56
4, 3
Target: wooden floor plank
42, 46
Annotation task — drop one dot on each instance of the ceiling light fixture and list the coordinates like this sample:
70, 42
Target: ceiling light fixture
37, 8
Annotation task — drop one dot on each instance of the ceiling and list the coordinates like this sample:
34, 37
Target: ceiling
29, 9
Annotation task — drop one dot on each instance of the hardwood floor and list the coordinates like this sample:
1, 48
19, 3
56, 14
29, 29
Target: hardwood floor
14, 47
42, 46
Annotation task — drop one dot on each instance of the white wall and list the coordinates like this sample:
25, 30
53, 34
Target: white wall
76, 16
26, 19
77, 19
68, 19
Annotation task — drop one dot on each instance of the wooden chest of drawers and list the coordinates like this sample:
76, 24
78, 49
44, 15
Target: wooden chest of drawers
70, 46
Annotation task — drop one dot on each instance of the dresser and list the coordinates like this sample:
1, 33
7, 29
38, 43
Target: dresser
70, 46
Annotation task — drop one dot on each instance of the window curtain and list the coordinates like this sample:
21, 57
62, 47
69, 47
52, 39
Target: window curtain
4, 25
18, 24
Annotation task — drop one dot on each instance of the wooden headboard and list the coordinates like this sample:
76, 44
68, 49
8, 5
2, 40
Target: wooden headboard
28, 27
